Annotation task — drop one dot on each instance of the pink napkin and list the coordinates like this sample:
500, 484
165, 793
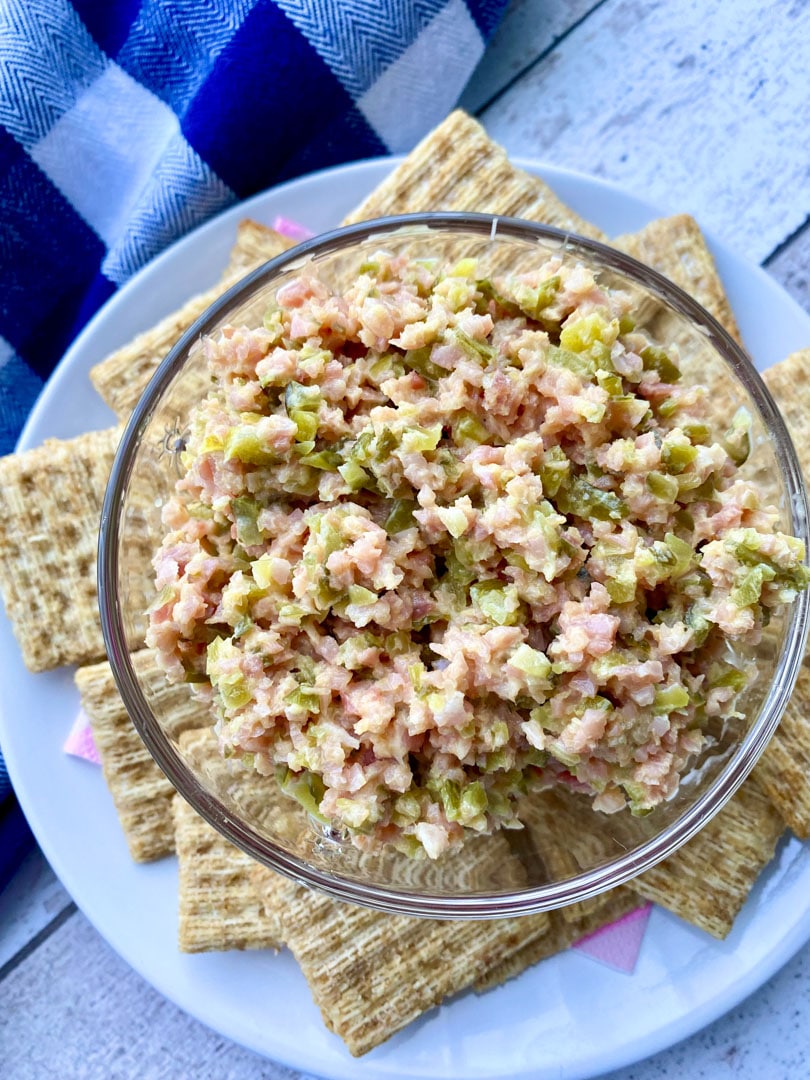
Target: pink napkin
291, 229
80, 742
618, 944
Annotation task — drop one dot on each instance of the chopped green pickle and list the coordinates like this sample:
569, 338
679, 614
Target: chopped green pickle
388, 366
445, 533
418, 440
531, 661
400, 516
306, 788
677, 457
662, 486
306, 423
730, 677
474, 349
490, 293
305, 699
244, 444
749, 589
454, 520
467, 428
419, 360
298, 397
586, 501
500, 603
612, 384
533, 301
658, 360
697, 433
354, 475
581, 335
737, 439
576, 362
621, 581
246, 515
554, 471
361, 596
325, 460
670, 699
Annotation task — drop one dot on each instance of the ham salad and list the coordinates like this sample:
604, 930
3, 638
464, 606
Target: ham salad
441, 539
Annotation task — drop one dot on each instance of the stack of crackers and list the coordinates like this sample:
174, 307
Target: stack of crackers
370, 973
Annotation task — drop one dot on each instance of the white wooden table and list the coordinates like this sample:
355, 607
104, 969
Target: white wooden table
697, 105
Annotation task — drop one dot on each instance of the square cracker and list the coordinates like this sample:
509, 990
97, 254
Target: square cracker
707, 881
559, 839
255, 245
568, 926
370, 973
783, 771
458, 167
50, 506
676, 248
218, 905
141, 793
122, 377
789, 382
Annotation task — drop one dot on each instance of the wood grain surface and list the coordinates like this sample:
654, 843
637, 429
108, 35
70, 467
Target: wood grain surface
696, 105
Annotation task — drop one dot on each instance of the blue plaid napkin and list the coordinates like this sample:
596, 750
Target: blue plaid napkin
126, 123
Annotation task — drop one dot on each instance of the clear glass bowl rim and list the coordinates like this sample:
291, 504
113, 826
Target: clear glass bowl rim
481, 905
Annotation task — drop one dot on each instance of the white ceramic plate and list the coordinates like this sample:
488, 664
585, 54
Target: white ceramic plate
568, 1018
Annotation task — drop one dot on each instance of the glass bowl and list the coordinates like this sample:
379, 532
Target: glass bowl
563, 854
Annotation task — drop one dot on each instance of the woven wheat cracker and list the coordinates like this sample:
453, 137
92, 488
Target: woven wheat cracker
141, 793
784, 769
789, 382
50, 505
559, 840
218, 905
707, 881
371, 974
458, 167
676, 248
122, 377
255, 244
565, 930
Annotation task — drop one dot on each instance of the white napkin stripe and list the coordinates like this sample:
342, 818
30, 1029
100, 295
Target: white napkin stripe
102, 152
357, 39
47, 60
402, 103
119, 157
182, 193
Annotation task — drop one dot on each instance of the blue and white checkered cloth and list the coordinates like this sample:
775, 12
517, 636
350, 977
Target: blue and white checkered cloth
126, 123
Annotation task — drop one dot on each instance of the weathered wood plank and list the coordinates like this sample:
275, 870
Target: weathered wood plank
32, 898
75, 1009
528, 29
791, 268
698, 105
